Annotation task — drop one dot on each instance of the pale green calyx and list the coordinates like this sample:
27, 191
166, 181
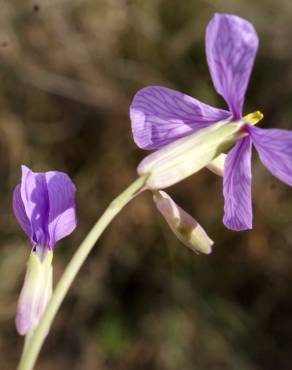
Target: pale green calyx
217, 164
188, 155
35, 293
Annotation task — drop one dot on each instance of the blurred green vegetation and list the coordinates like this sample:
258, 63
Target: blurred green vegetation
69, 69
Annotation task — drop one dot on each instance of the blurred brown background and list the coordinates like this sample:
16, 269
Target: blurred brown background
142, 301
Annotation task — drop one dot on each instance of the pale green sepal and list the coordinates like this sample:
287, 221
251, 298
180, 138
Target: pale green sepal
188, 155
35, 293
183, 225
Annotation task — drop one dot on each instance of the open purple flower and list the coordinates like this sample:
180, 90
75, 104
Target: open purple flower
44, 205
161, 117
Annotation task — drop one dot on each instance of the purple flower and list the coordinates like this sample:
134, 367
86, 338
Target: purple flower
44, 205
161, 117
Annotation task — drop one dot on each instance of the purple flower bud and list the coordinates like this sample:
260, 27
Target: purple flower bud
44, 205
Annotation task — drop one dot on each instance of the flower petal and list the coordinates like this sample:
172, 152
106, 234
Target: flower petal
19, 211
160, 116
62, 215
275, 151
231, 45
34, 195
237, 187
183, 225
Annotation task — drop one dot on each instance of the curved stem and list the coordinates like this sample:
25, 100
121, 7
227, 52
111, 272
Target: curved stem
33, 346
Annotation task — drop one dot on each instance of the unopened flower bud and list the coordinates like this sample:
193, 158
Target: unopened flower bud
184, 226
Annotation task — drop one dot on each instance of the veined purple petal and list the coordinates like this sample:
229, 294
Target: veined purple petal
275, 151
231, 46
44, 205
237, 187
160, 116
62, 216
34, 195
19, 211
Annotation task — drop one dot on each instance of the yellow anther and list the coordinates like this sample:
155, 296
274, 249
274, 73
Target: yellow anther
253, 118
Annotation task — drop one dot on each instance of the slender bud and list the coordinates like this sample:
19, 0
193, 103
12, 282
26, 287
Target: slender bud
187, 155
36, 291
184, 226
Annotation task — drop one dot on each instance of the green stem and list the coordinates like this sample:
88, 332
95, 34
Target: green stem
33, 345
27, 340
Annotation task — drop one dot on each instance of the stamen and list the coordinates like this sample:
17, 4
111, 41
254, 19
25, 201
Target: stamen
253, 118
